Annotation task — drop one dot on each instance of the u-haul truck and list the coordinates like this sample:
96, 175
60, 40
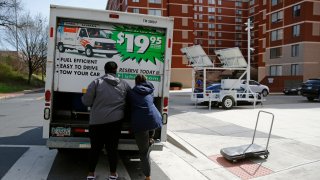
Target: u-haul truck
139, 44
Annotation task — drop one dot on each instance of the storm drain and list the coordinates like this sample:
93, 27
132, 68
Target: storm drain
244, 169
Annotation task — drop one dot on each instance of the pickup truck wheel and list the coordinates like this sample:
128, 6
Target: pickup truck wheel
61, 47
227, 102
89, 51
264, 93
109, 55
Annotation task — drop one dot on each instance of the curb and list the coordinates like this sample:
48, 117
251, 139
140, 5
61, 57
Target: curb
20, 93
180, 143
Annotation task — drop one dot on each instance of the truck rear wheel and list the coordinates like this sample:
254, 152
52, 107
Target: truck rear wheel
227, 102
61, 47
89, 51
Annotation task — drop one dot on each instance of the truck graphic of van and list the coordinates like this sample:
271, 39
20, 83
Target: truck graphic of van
86, 40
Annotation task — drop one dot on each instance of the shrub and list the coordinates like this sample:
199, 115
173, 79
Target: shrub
176, 84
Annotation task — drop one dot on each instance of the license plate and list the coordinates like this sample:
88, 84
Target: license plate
60, 131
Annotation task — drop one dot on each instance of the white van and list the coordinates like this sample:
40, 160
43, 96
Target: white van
90, 40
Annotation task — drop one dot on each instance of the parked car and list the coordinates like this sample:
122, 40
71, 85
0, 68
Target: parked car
214, 88
256, 87
311, 89
296, 90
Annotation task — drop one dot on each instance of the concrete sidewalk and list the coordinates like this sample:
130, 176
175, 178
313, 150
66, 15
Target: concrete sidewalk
200, 134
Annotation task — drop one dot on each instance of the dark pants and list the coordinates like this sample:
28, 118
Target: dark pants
104, 135
142, 140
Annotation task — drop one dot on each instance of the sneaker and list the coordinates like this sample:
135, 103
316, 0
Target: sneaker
91, 177
113, 177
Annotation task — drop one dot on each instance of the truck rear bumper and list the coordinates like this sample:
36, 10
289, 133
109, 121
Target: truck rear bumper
84, 143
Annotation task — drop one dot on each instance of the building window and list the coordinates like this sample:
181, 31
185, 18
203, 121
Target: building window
251, 2
275, 52
184, 21
295, 50
211, 42
238, 36
211, 1
219, 18
219, 2
211, 9
155, 1
238, 4
296, 30
238, 12
219, 43
238, 19
237, 43
294, 69
195, 16
184, 8
211, 18
135, 10
219, 26
238, 28
277, 16
200, 9
251, 10
135, 0
200, 1
200, 16
296, 10
219, 10
156, 12
184, 34
219, 34
276, 35
211, 26
275, 70
275, 2
211, 34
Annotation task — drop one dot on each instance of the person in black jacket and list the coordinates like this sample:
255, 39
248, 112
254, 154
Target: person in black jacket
145, 118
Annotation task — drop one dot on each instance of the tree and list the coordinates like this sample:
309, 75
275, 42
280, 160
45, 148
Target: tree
8, 10
32, 39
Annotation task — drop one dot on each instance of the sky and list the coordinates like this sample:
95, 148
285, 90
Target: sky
43, 7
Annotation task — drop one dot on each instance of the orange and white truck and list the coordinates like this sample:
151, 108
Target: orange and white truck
81, 41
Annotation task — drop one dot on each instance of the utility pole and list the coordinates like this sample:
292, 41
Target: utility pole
248, 29
16, 18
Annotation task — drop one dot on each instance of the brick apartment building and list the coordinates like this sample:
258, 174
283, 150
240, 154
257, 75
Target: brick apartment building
286, 34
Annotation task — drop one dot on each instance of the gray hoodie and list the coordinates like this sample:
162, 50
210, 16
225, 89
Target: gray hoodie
106, 95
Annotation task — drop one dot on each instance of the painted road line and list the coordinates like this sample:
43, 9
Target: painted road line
33, 164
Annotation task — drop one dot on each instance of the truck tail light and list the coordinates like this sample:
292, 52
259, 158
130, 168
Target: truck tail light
51, 32
165, 104
47, 96
81, 130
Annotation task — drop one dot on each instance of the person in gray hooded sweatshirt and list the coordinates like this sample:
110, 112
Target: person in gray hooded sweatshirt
107, 98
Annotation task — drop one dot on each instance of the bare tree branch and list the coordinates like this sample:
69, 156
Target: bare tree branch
32, 41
